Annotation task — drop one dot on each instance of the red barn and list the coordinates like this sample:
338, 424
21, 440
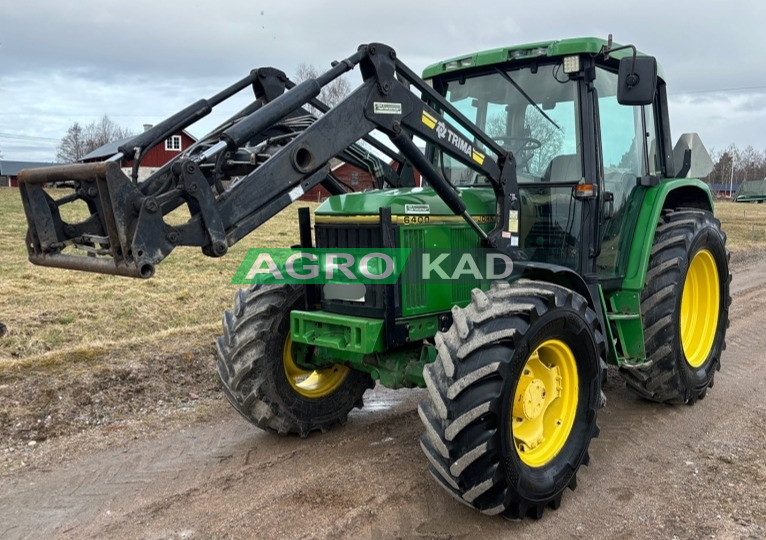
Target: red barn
353, 177
9, 170
154, 159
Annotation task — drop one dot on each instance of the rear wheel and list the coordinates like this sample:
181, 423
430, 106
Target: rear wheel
512, 398
259, 373
685, 307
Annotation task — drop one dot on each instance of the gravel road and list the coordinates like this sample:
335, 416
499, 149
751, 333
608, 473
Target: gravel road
656, 471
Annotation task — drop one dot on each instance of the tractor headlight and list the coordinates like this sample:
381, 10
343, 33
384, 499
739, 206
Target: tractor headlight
462, 63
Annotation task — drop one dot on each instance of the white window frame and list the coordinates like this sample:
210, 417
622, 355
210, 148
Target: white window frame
173, 143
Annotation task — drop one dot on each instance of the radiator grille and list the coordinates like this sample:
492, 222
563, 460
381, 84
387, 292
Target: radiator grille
352, 236
462, 240
414, 290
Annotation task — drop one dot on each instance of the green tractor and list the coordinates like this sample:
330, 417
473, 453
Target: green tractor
556, 155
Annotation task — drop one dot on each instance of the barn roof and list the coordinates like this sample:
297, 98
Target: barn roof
725, 186
110, 149
13, 168
107, 150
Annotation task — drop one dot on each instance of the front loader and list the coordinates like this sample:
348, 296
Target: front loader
555, 156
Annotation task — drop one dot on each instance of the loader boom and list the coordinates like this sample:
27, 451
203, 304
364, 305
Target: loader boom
127, 235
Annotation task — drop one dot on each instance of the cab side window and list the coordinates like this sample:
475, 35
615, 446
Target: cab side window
621, 141
628, 133
652, 142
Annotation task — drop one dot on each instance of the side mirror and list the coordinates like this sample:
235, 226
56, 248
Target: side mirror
637, 80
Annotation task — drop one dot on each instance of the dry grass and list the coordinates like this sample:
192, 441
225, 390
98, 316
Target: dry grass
74, 314
56, 316
744, 223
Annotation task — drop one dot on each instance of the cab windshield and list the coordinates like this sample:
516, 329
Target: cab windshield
532, 112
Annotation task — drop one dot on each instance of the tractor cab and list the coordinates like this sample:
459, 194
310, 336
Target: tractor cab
580, 153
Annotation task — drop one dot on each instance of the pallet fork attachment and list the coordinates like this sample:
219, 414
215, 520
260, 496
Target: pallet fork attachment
271, 152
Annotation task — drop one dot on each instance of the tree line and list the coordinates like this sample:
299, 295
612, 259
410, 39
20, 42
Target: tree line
80, 140
737, 166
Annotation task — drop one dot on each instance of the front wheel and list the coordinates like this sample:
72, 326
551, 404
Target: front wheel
512, 397
259, 374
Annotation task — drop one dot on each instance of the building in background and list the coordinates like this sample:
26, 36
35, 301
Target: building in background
751, 191
354, 178
724, 190
154, 159
9, 170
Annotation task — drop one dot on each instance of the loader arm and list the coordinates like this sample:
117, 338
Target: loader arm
126, 233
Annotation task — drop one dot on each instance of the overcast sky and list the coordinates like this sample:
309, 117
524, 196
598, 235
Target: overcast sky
63, 61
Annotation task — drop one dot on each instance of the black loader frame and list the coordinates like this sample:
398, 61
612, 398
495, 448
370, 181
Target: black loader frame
127, 235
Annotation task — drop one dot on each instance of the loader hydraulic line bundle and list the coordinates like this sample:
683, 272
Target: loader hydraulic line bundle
554, 156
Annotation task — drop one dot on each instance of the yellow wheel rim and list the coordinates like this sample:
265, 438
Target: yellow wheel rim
545, 403
311, 384
700, 303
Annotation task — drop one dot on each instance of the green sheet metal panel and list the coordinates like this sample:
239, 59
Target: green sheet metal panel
550, 49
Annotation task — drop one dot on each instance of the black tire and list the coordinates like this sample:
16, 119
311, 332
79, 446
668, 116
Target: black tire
252, 371
667, 376
472, 385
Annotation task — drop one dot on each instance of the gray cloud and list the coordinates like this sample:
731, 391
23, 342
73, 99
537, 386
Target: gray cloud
751, 103
65, 61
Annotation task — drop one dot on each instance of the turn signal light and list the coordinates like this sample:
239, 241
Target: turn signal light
584, 191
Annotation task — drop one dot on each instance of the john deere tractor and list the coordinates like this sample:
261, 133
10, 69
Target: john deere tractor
556, 156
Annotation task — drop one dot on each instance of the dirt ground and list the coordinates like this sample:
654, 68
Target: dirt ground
137, 442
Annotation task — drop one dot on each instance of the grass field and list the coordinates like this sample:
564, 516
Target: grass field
57, 315
744, 223
79, 315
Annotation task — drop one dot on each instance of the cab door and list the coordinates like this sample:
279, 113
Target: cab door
627, 152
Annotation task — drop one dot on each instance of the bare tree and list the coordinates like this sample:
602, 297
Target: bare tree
550, 136
537, 127
747, 168
80, 141
715, 155
104, 131
730, 160
332, 93
72, 146
495, 125
726, 166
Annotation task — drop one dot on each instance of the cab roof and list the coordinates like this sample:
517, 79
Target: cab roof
550, 49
